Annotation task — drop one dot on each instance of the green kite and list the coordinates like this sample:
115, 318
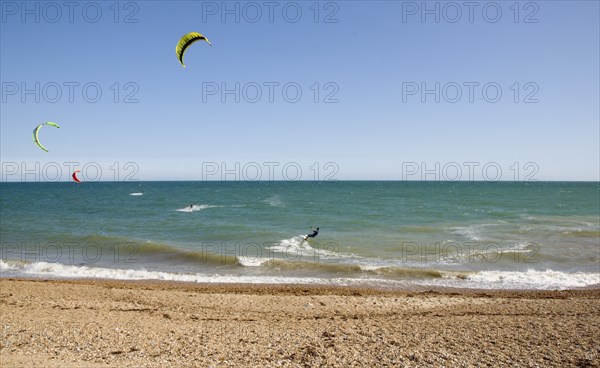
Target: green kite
36, 131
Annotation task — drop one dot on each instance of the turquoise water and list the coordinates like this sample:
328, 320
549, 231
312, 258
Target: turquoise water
465, 234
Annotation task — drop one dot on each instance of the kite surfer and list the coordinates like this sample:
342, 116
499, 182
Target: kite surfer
314, 233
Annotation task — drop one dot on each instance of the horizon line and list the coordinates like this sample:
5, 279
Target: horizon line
308, 181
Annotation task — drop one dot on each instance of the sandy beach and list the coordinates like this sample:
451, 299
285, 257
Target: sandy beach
89, 323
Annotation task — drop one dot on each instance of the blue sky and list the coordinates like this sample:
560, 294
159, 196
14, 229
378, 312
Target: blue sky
364, 59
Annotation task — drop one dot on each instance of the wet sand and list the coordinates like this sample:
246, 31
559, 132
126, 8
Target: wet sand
89, 323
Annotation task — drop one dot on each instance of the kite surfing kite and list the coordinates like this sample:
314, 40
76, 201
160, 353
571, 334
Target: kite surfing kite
75, 176
185, 42
36, 132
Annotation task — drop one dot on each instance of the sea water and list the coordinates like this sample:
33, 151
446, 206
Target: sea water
492, 235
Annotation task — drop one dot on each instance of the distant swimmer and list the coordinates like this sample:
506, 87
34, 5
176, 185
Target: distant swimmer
314, 233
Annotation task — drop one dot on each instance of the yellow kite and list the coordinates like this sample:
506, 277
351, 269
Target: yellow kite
186, 41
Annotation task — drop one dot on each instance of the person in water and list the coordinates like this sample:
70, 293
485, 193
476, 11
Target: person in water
314, 233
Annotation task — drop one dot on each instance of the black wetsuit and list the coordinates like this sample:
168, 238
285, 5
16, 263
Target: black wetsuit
314, 233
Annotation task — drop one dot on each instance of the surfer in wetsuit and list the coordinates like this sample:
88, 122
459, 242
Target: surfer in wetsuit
314, 233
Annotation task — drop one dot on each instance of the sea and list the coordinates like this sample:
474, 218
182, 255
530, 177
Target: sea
383, 234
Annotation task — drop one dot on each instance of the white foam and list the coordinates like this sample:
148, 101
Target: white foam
298, 246
370, 267
136, 194
45, 269
471, 232
196, 208
251, 261
493, 249
295, 244
5, 266
274, 201
533, 279
525, 216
